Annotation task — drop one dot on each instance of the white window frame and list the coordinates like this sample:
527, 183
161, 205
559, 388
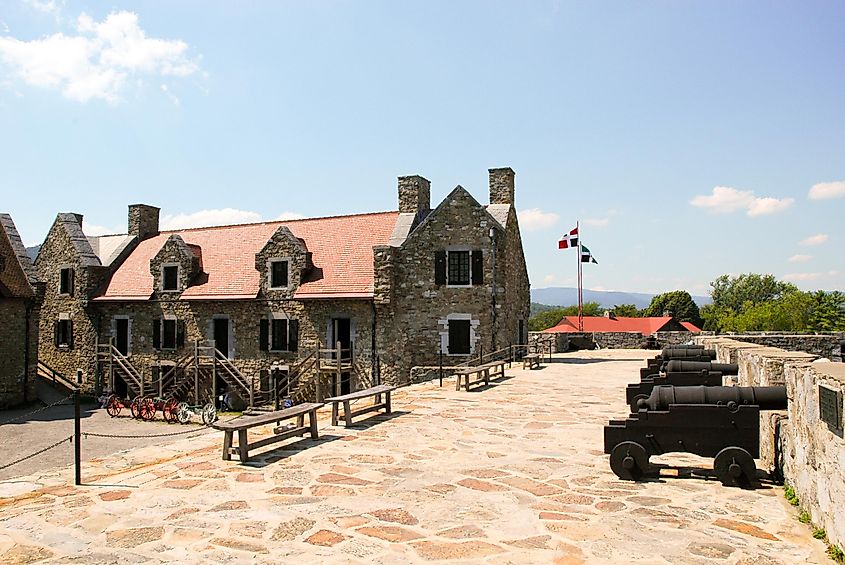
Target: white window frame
178, 277
474, 338
461, 249
63, 317
270, 272
271, 318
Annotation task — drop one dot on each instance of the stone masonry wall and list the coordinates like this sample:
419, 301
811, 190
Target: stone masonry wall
12, 361
810, 454
827, 346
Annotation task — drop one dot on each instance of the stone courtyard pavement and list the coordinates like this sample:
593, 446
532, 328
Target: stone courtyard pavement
511, 474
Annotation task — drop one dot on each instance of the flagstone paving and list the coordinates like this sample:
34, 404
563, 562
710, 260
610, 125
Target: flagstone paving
509, 474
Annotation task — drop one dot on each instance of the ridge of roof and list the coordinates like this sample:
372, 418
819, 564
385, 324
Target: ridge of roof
279, 222
14, 238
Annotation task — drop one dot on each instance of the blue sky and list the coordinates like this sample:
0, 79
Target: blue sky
690, 139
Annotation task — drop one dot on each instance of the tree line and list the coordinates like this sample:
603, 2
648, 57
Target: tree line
743, 303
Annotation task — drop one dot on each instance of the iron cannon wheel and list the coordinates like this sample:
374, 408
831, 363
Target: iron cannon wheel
735, 467
135, 406
636, 401
147, 409
169, 410
629, 461
209, 414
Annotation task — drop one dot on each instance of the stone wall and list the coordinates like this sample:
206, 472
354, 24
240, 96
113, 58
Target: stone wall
619, 340
13, 313
827, 346
795, 442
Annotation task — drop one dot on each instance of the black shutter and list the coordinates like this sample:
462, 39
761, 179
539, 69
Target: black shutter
264, 334
180, 333
56, 333
157, 334
477, 267
71, 282
440, 267
70, 334
293, 335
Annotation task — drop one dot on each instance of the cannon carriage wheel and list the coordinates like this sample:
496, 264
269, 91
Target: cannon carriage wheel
735, 467
629, 461
113, 406
169, 410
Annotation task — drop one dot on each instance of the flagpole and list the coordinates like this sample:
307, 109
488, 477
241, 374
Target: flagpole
580, 282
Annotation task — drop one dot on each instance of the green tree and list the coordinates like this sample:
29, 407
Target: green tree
626, 311
828, 313
733, 293
678, 303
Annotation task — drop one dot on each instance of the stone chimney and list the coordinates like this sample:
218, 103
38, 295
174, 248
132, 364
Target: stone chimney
501, 185
143, 221
414, 195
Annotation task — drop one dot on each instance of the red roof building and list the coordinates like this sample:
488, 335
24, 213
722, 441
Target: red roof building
602, 324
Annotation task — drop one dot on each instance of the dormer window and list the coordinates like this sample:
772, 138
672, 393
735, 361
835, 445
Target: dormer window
279, 273
170, 277
66, 281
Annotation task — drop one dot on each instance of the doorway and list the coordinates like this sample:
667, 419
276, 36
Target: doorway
342, 332
121, 335
221, 335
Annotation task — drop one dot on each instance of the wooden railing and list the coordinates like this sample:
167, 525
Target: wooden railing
46, 372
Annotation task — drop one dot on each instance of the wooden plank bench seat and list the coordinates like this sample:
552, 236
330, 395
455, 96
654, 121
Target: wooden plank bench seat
346, 399
483, 372
531, 360
244, 423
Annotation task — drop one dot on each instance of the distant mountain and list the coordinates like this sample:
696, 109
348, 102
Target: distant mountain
567, 296
33, 251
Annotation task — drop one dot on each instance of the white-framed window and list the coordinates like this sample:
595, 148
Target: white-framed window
168, 333
278, 333
170, 277
66, 280
458, 334
459, 267
63, 332
278, 273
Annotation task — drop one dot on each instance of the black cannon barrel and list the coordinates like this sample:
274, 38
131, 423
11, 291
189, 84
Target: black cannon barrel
708, 354
765, 397
682, 366
669, 348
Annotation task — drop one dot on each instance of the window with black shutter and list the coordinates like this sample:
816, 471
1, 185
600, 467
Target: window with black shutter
293, 335
440, 267
279, 335
157, 334
263, 334
168, 334
459, 337
477, 267
170, 277
66, 281
278, 274
180, 334
459, 268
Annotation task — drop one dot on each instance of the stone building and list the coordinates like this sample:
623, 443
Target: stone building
19, 309
393, 288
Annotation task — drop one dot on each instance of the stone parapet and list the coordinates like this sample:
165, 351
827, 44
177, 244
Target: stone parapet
809, 453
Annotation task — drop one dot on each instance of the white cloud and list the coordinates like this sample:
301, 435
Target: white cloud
726, 200
203, 218
817, 239
287, 216
827, 190
173, 97
799, 277
534, 219
46, 6
766, 206
597, 222
95, 230
800, 258
99, 62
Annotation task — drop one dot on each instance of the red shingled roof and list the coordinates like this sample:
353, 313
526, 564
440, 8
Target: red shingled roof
341, 246
645, 326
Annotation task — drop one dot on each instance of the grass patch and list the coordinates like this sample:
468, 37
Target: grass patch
804, 518
790, 495
836, 554
819, 533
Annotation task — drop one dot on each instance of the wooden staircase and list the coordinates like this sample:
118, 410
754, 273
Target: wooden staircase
113, 363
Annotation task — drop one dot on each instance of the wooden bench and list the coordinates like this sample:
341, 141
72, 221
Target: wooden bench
348, 413
244, 423
531, 360
483, 371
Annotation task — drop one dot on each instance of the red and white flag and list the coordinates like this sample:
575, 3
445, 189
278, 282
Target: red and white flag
569, 240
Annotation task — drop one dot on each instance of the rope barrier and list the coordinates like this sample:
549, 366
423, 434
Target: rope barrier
37, 410
21, 460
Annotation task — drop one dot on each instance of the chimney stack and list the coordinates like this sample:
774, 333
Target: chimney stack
414, 195
143, 221
502, 186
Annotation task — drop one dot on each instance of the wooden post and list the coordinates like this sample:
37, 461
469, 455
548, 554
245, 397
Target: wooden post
252, 392
441, 365
196, 373
339, 374
77, 436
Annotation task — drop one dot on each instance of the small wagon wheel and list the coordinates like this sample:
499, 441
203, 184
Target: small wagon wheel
168, 411
147, 409
209, 414
183, 413
113, 406
135, 406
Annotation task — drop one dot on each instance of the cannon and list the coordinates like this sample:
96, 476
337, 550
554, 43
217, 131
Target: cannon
710, 421
679, 373
695, 353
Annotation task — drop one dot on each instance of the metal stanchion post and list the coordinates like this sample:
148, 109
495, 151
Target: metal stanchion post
77, 436
441, 365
